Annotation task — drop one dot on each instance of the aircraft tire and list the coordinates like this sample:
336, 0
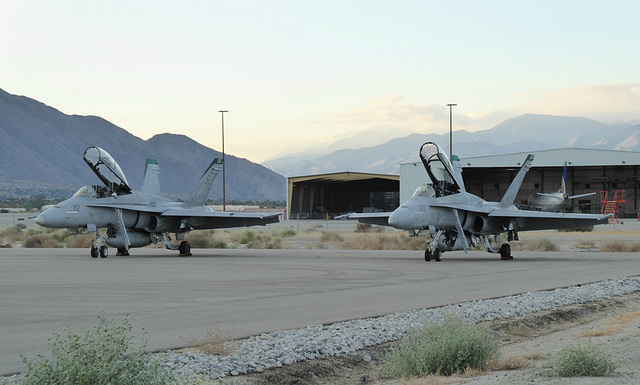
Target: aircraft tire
94, 252
104, 252
505, 252
437, 255
185, 249
427, 255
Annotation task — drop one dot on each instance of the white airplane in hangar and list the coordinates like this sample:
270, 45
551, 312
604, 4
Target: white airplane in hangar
457, 219
556, 200
138, 218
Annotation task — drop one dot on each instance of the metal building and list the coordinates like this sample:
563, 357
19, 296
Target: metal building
588, 170
322, 195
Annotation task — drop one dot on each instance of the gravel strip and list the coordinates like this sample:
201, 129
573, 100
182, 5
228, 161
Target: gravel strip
275, 349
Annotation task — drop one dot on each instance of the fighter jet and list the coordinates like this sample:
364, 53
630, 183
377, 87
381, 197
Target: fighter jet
457, 219
555, 200
138, 218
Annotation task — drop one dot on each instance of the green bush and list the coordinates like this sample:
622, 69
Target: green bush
103, 355
445, 348
247, 237
580, 360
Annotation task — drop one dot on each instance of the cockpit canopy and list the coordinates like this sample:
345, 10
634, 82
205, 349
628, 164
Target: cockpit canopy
440, 170
107, 170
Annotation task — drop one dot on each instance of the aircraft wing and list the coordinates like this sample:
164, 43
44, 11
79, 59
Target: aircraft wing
128, 206
381, 219
532, 220
222, 219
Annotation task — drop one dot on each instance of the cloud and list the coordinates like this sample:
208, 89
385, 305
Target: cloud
608, 102
392, 109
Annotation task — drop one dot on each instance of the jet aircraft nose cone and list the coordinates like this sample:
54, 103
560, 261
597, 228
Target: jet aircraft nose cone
393, 220
40, 220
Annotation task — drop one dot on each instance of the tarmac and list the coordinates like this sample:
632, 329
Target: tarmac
247, 292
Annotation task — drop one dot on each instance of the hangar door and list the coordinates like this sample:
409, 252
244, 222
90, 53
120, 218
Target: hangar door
316, 196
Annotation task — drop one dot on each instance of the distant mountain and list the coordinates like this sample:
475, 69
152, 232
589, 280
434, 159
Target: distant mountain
524, 133
41, 146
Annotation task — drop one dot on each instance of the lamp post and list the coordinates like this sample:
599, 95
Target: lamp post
224, 199
451, 105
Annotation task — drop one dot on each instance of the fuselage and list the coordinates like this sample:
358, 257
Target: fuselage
422, 212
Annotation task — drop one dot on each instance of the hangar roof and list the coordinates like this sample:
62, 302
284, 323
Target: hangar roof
344, 176
555, 158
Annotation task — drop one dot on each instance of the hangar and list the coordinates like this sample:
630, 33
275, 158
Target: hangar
327, 195
604, 172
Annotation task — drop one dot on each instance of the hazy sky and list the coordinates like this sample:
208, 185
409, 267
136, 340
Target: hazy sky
299, 73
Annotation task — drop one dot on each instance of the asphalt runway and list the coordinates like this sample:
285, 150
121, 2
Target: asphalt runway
247, 292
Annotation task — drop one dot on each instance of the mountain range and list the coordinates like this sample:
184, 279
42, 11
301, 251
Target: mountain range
41, 152
524, 133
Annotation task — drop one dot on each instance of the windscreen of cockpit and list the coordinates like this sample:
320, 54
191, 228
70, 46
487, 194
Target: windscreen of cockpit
85, 192
424, 191
107, 169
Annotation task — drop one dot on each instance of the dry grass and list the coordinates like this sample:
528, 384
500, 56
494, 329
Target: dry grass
331, 236
79, 241
585, 245
614, 326
215, 341
620, 247
40, 241
384, 242
543, 244
514, 362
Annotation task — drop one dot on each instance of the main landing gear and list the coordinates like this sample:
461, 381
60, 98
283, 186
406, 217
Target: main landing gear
435, 255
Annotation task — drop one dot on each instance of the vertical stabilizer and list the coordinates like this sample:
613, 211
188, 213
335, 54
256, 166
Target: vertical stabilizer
563, 185
151, 182
510, 196
200, 193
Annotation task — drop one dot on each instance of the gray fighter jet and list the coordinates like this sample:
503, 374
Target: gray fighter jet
457, 219
138, 218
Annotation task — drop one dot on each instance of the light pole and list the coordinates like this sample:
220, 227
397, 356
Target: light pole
451, 105
224, 198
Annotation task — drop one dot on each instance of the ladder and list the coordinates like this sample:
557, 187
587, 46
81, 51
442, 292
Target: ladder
611, 207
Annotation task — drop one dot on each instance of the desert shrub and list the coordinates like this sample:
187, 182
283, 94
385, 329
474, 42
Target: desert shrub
288, 233
620, 247
60, 236
103, 355
264, 241
581, 360
204, 239
368, 228
331, 236
446, 347
534, 245
384, 242
245, 237
20, 226
79, 241
12, 234
40, 241
583, 229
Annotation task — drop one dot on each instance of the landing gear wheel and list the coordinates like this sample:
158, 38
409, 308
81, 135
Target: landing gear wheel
104, 252
505, 252
185, 249
94, 252
437, 255
427, 255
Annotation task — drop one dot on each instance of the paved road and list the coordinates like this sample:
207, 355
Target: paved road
247, 292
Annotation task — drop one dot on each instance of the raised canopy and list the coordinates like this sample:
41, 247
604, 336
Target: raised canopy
107, 170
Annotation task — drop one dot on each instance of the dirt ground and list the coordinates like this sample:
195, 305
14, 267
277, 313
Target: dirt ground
527, 344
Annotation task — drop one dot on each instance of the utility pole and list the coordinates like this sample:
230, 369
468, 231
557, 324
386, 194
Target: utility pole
224, 198
451, 105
